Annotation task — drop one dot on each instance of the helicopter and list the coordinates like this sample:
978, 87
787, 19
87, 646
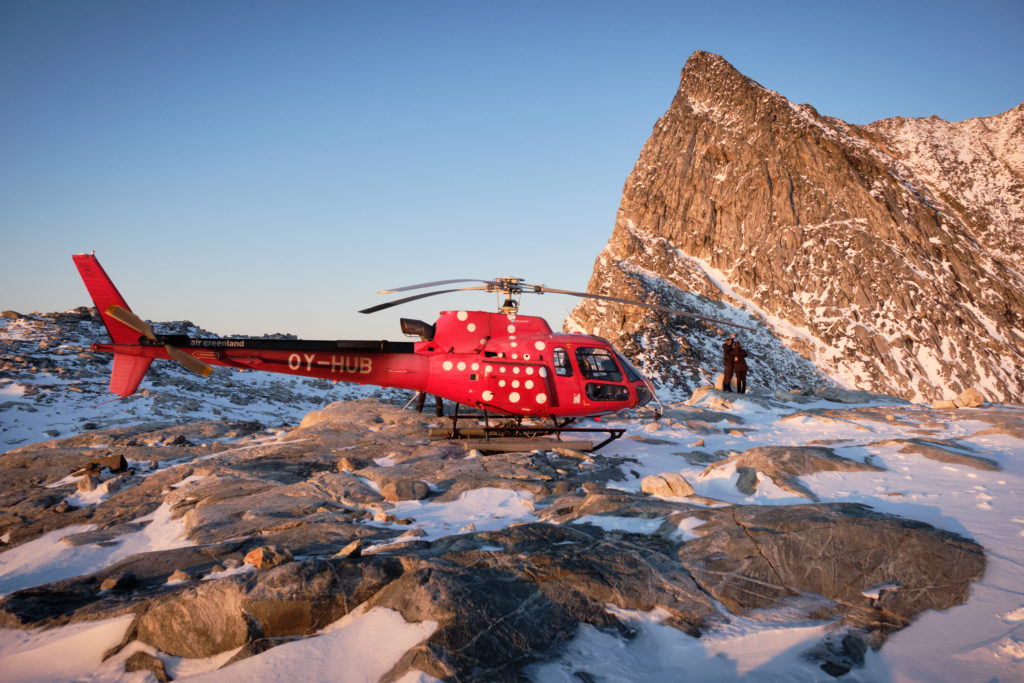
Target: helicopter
502, 363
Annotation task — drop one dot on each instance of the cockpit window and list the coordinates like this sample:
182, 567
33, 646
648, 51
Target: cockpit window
561, 359
632, 374
607, 392
598, 364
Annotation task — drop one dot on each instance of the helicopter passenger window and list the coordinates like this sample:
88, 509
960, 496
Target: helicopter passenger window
598, 364
607, 392
561, 360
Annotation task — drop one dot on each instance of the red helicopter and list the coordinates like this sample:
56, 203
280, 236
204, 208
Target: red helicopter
502, 363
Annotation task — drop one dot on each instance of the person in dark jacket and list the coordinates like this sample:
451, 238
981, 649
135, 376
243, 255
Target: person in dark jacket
727, 359
739, 366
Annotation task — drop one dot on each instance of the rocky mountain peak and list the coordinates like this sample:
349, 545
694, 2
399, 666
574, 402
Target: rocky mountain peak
708, 81
707, 67
883, 257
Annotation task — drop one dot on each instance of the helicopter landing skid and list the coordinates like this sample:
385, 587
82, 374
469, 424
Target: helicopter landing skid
518, 437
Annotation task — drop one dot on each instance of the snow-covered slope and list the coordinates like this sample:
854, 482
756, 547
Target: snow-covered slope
976, 167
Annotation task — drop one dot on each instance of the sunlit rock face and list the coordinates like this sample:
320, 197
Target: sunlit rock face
886, 257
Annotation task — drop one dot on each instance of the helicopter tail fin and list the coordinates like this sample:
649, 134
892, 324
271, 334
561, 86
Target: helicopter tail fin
127, 373
128, 369
104, 294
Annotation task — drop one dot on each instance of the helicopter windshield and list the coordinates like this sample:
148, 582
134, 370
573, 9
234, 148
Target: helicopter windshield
599, 364
632, 374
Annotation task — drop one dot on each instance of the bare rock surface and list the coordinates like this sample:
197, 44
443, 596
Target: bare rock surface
754, 556
944, 451
785, 464
283, 533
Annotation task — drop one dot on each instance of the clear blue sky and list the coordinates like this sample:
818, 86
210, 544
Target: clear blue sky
267, 166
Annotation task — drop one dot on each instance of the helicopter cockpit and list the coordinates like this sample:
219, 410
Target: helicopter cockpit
602, 376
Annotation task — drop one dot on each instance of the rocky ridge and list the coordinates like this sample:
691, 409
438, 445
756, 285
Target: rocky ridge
884, 257
52, 384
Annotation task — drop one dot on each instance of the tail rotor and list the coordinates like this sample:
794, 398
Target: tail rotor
123, 315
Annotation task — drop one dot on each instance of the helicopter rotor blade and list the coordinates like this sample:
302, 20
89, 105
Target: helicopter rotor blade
405, 300
438, 283
188, 360
123, 315
133, 321
520, 287
541, 289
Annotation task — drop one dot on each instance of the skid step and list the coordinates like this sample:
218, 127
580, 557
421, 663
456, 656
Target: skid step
513, 444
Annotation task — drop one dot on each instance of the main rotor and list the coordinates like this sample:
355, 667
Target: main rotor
511, 289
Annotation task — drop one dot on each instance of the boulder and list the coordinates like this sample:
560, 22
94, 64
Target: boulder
115, 484
705, 396
351, 464
746, 480
404, 489
115, 462
353, 549
203, 620
298, 598
943, 404
120, 582
268, 557
88, 482
143, 661
301, 598
971, 398
179, 575
667, 485
703, 390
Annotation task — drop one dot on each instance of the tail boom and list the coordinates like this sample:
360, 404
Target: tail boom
135, 346
386, 364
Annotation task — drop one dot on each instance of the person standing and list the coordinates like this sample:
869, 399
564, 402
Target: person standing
739, 366
727, 359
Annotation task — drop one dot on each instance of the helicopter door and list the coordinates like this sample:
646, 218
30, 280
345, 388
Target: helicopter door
564, 379
601, 374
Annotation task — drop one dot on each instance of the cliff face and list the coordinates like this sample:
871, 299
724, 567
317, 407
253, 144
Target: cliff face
886, 257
